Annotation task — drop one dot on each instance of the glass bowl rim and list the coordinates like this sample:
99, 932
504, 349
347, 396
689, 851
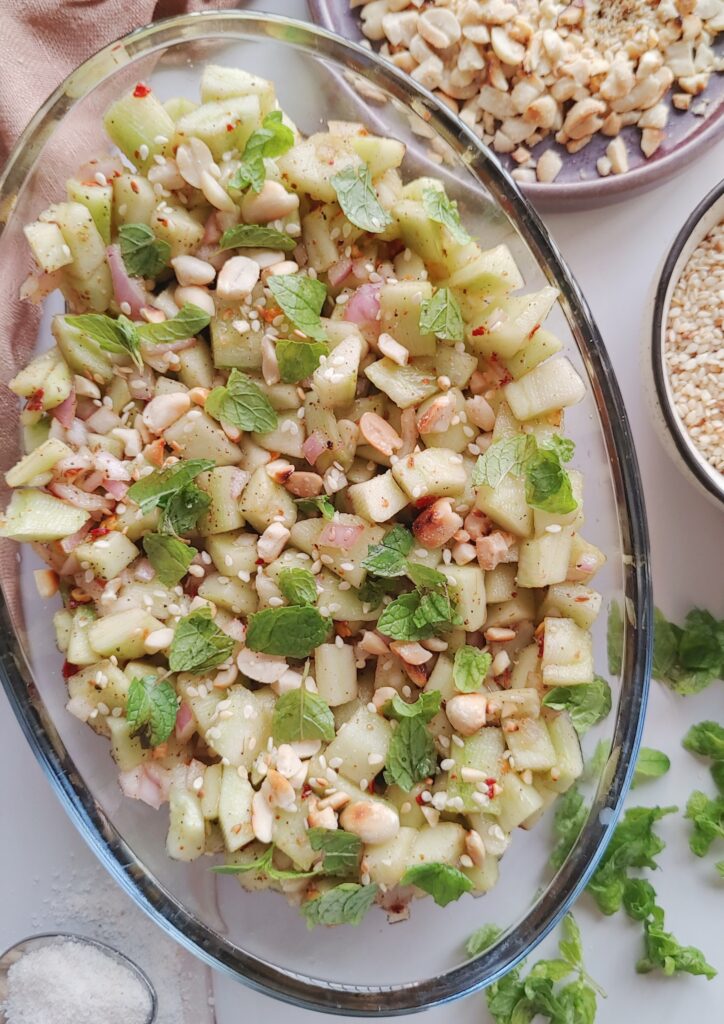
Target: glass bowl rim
571, 878
705, 475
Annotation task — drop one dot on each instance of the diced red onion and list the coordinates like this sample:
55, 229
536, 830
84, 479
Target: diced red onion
185, 723
340, 535
338, 271
103, 420
92, 482
364, 305
65, 412
239, 480
77, 434
138, 785
126, 289
80, 499
313, 447
212, 231
111, 467
116, 488
69, 544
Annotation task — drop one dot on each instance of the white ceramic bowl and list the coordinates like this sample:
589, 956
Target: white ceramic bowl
671, 429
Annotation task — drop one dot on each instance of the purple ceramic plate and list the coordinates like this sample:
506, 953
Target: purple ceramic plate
579, 186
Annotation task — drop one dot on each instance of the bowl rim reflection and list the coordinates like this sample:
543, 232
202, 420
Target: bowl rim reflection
569, 881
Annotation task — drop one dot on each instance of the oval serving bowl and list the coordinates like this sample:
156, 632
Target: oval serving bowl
373, 969
579, 186
673, 433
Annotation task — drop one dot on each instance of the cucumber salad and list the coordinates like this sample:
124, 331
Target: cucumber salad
295, 464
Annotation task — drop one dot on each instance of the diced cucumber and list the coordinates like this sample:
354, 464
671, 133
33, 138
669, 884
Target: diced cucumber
542, 345
520, 608
48, 246
468, 584
108, 556
387, 862
353, 556
379, 499
526, 669
543, 560
531, 745
485, 877
505, 325
39, 461
46, 377
322, 421
290, 835
264, 500
567, 653
83, 355
335, 380
62, 624
223, 125
434, 471
123, 633
492, 272
97, 199
35, 433
335, 673
100, 683
573, 601
79, 650
316, 235
500, 583
506, 505
400, 305
126, 750
286, 439
135, 525
586, 560
484, 752
229, 347
152, 597
178, 227
234, 808
134, 200
443, 844
242, 735
422, 235
404, 385
33, 515
221, 83
542, 520
548, 387
88, 275
200, 437
364, 734
135, 123
211, 791
230, 593
569, 759
177, 106
310, 165
380, 154
448, 362
195, 366
223, 514
341, 605
454, 438
186, 837
517, 801
233, 553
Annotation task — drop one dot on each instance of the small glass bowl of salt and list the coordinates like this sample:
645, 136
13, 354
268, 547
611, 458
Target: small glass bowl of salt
70, 979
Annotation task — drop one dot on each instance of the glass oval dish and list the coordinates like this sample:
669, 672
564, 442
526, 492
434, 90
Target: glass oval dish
370, 970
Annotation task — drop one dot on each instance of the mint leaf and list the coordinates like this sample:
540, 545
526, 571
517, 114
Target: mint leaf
182, 509
470, 667
151, 710
299, 359
639, 898
717, 773
273, 139
118, 336
596, 762
441, 315
398, 619
389, 558
425, 707
358, 199
666, 646
547, 484
347, 903
159, 487
188, 322
701, 646
443, 882
576, 1003
298, 586
411, 755
341, 850
650, 764
198, 644
720, 867
664, 953
444, 211
143, 254
571, 945
705, 739
263, 865
243, 404
293, 631
170, 557
570, 816
301, 299
321, 504
424, 577
502, 457
436, 614
688, 658
707, 816
482, 939
586, 703
256, 236
614, 638
302, 715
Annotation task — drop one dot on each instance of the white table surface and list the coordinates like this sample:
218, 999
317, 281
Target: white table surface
614, 253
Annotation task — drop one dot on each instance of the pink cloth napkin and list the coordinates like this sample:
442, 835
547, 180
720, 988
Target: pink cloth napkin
41, 41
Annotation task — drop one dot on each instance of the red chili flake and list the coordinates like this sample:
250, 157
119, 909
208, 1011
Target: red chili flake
536, 328
479, 330
35, 402
306, 791
540, 640
342, 628
141, 91
260, 561
491, 784
229, 127
69, 669
99, 531
425, 501
135, 187
269, 314
419, 800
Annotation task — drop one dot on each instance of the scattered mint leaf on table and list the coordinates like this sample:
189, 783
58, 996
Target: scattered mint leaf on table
706, 739
650, 764
482, 939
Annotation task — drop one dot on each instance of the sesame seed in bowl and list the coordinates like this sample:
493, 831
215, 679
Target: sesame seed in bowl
687, 347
